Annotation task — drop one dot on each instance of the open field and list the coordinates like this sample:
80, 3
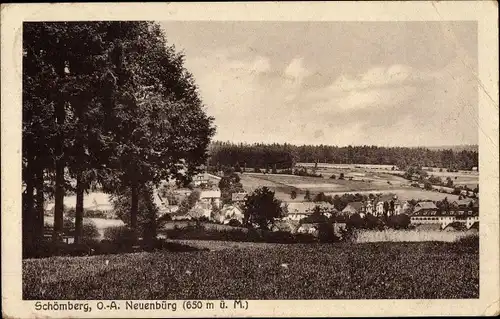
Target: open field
407, 194
284, 184
253, 181
314, 271
391, 235
469, 178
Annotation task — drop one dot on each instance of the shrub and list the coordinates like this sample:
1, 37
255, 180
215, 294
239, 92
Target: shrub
234, 223
305, 238
355, 221
372, 222
401, 221
122, 235
326, 233
470, 240
89, 230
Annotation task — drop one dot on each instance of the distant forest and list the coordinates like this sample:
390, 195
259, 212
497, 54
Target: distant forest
284, 156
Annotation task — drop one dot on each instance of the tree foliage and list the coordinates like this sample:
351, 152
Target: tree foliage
229, 184
105, 104
262, 208
286, 155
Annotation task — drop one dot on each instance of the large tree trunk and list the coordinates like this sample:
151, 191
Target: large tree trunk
27, 213
59, 154
79, 209
150, 233
134, 206
40, 201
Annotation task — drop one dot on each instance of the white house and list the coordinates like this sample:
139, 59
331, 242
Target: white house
299, 210
354, 208
400, 207
201, 179
238, 197
307, 228
369, 207
229, 212
444, 218
211, 196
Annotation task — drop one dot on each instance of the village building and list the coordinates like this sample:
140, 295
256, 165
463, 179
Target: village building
465, 216
369, 209
229, 212
298, 210
205, 179
177, 215
354, 208
211, 197
239, 197
200, 179
308, 228
425, 206
463, 203
379, 206
401, 206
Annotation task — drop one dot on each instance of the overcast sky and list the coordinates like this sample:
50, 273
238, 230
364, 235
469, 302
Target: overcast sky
337, 83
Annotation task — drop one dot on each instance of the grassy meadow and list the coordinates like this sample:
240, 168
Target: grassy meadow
263, 271
364, 181
391, 235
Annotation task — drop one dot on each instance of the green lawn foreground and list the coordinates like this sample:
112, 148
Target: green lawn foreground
300, 271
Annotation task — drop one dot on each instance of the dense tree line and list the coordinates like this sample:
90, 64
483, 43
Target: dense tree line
267, 156
109, 105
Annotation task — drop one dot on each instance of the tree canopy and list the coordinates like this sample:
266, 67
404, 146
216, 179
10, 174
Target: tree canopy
283, 156
109, 104
262, 208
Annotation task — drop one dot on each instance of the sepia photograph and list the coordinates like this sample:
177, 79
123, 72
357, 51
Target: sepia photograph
166, 160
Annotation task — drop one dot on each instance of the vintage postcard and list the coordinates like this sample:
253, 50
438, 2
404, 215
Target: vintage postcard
250, 159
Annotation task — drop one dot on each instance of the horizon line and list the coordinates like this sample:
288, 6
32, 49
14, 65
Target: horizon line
354, 145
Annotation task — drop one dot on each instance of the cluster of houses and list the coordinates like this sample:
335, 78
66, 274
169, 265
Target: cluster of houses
464, 211
386, 204
209, 204
424, 215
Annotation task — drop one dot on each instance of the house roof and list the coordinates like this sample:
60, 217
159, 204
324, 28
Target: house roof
231, 209
355, 205
238, 196
179, 214
425, 205
210, 194
306, 207
463, 202
201, 176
